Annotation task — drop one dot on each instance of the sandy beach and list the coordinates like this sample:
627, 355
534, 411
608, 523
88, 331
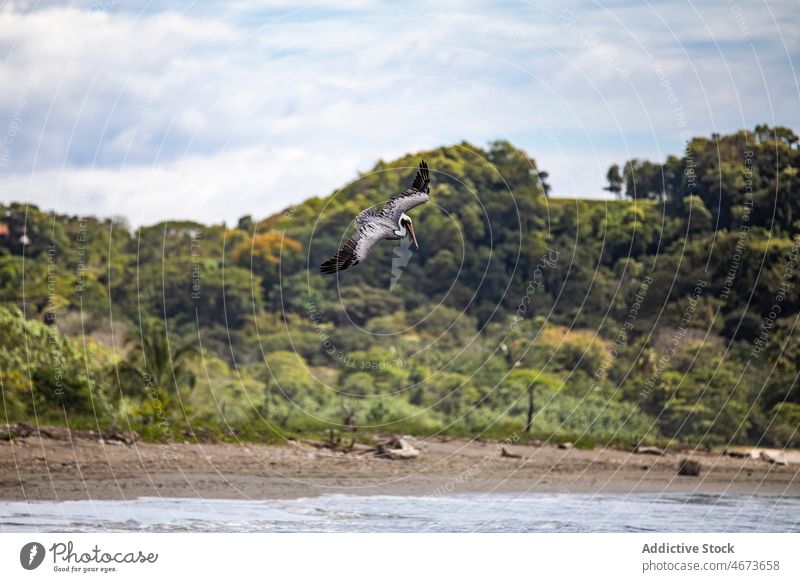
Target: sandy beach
35, 468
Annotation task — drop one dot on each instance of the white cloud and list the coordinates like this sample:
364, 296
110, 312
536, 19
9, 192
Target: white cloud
210, 189
206, 112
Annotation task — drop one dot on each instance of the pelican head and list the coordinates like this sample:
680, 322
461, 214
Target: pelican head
407, 226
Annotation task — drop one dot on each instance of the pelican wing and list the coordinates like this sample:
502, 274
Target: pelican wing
411, 197
371, 228
373, 225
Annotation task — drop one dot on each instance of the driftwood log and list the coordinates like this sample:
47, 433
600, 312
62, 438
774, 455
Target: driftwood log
23, 430
396, 449
738, 454
775, 458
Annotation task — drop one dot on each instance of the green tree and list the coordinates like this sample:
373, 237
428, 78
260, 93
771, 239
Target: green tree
527, 382
615, 180
156, 368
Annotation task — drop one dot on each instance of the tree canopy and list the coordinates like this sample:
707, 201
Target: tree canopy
650, 317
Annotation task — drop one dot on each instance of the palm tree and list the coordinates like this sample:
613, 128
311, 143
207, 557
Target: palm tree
154, 363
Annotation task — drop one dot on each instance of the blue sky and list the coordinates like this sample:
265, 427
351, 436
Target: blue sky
209, 111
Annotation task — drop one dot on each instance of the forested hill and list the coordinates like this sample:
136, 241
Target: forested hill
666, 314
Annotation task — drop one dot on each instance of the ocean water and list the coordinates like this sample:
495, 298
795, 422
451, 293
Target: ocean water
532, 512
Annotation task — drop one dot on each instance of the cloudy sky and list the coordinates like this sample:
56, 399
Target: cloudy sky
209, 111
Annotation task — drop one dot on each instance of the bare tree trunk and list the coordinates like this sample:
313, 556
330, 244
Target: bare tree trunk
530, 410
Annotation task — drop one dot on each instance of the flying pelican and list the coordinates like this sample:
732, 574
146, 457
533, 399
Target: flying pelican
390, 222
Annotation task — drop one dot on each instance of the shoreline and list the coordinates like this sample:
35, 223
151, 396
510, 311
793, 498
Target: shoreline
36, 468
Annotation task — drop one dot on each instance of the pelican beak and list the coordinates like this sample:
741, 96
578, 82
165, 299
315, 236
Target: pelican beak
413, 234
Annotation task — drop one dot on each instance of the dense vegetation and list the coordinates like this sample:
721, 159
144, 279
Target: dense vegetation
668, 315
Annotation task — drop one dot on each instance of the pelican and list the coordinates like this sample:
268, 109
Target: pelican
390, 223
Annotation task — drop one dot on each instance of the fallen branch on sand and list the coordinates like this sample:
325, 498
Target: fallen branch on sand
773, 457
23, 430
396, 449
336, 447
